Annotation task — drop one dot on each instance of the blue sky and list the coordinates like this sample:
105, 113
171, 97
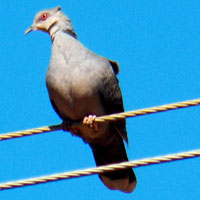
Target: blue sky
157, 45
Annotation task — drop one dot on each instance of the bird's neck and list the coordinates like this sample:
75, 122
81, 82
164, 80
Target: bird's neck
65, 27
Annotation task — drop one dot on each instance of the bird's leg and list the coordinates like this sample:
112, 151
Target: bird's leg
67, 126
90, 122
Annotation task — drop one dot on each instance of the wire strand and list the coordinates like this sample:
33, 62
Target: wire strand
101, 169
147, 111
44, 129
113, 117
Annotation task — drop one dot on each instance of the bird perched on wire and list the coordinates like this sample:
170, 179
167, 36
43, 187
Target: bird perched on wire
81, 86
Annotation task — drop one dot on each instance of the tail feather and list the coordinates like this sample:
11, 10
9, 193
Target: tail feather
114, 152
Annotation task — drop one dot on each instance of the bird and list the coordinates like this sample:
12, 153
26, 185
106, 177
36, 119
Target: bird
81, 86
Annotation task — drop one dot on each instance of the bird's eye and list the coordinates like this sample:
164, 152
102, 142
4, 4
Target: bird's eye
43, 16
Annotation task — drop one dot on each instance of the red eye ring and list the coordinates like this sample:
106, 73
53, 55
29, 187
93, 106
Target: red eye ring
44, 16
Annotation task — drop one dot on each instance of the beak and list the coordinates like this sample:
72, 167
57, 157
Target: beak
32, 28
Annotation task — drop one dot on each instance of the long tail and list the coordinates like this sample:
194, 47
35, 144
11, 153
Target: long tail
114, 152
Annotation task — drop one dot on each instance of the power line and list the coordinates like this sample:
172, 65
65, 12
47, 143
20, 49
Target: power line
101, 169
29, 132
147, 111
112, 117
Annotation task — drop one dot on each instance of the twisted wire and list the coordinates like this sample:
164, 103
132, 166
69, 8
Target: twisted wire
30, 132
147, 111
112, 117
101, 169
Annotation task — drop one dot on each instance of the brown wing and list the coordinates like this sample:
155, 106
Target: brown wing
112, 98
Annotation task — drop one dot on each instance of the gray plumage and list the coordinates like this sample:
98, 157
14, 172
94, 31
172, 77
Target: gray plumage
82, 83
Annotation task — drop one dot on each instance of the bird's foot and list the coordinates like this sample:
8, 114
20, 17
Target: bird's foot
90, 122
67, 126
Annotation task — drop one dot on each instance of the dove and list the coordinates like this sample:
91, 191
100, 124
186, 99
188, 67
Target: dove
82, 85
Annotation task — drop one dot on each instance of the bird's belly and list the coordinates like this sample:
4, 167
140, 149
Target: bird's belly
75, 105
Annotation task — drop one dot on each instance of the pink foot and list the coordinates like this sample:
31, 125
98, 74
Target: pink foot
66, 126
90, 122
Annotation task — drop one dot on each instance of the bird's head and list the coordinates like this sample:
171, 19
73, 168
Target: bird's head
50, 21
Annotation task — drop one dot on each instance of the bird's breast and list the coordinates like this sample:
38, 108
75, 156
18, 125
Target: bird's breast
74, 96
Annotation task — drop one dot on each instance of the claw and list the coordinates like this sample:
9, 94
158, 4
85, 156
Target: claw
90, 122
66, 126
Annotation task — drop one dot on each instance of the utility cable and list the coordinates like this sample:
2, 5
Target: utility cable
113, 117
101, 169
